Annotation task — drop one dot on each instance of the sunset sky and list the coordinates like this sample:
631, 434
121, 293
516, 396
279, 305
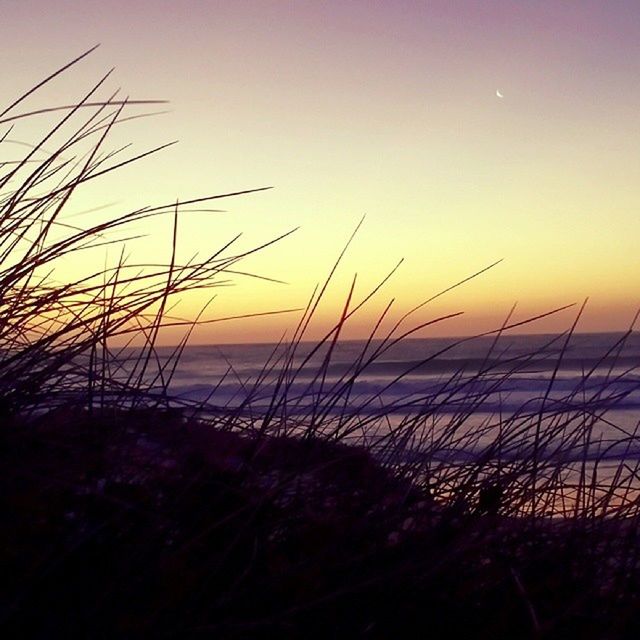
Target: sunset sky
387, 109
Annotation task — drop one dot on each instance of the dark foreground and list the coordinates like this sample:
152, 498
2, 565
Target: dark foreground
144, 525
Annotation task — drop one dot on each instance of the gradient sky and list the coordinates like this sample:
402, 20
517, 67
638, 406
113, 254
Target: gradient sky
387, 109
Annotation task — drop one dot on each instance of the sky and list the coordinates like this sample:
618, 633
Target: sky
387, 110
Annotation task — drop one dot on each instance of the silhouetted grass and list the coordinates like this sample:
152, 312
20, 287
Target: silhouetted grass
305, 508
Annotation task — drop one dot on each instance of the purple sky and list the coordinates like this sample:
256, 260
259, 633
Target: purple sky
383, 108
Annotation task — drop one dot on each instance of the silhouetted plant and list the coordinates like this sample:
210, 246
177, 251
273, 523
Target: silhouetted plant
305, 508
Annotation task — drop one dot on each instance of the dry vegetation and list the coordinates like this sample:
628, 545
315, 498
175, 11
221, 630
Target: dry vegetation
126, 513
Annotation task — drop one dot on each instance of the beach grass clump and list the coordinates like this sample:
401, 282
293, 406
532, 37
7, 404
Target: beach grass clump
56, 337
307, 507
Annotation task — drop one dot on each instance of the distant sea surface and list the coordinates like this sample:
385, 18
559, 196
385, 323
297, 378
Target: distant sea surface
523, 372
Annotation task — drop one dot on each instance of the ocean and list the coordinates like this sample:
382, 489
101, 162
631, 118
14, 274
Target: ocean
367, 389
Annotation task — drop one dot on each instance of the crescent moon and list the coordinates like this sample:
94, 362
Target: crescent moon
500, 95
